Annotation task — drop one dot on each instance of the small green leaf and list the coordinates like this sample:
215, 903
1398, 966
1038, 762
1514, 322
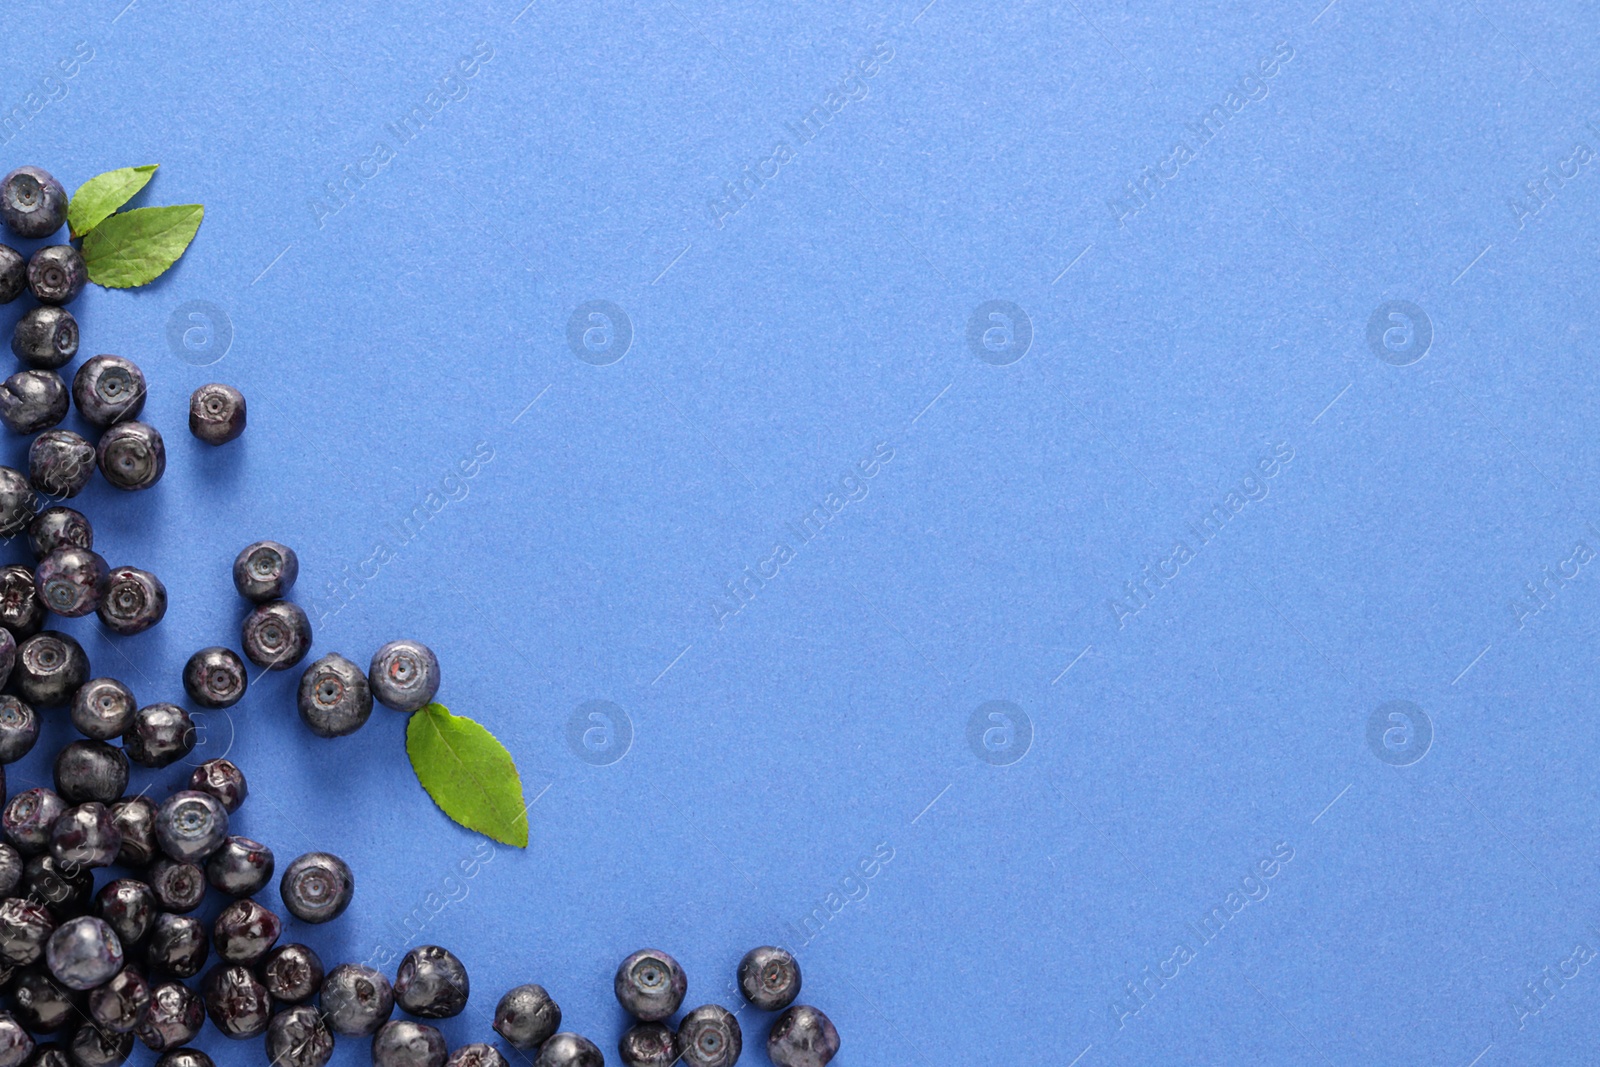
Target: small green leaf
98, 197
468, 774
136, 247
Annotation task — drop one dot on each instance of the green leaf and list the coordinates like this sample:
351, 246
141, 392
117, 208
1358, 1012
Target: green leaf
136, 247
98, 197
468, 774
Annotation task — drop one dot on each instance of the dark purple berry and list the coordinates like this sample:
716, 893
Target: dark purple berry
292, 973
102, 708
129, 907
60, 463
276, 635
83, 952
28, 817
32, 203
178, 945
237, 1002
223, 780
526, 1016
10, 871
298, 1038
132, 455
217, 413
56, 274
185, 1057
334, 697
245, 931
265, 571
33, 400
13, 274
120, 1004
43, 1004
769, 978
476, 1054
15, 1044
17, 498
46, 337
402, 1043
136, 819
50, 667
191, 825
179, 887
86, 835
91, 770
71, 581
175, 1017
59, 526
317, 887
648, 1045
215, 677
158, 735
21, 613
404, 675
802, 1037
19, 728
355, 999
569, 1050
240, 868
134, 601
431, 983
108, 390
25, 926
709, 1036
650, 985
64, 888
93, 1047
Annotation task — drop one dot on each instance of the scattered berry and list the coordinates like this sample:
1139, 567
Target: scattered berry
64, 888
317, 887
569, 1050
71, 581
191, 825
50, 667
120, 1004
93, 1047
404, 675
102, 708
17, 498
431, 983
240, 868
237, 1002
56, 274
59, 526
265, 571
13, 274
136, 819
276, 635
334, 698
25, 926
217, 414
215, 677
32, 203
15, 1044
180, 887
60, 463
91, 770
402, 1043
709, 1037
46, 337
158, 735
20, 611
85, 835
650, 985
129, 907
108, 390
42, 1004
298, 1038
292, 973
245, 931
134, 601
186, 1057
355, 999
526, 1016
19, 728
131, 454
648, 1045
32, 400
223, 780
769, 978
175, 1017
476, 1054
802, 1037
83, 952
28, 817
178, 945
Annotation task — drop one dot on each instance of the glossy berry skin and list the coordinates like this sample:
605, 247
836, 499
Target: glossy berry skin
650, 985
179, 887
64, 888
158, 735
131, 454
431, 983
217, 413
334, 698
71, 581
32, 400
13, 274
25, 927
28, 818
136, 819
569, 1050
215, 677
10, 870
59, 526
102, 708
15, 1044
648, 1045
91, 770
20, 611
299, 1038
317, 887
355, 1000
185, 1057
802, 1037
769, 978
17, 498
120, 1004
60, 463
239, 1005
85, 835
292, 973
709, 1037
93, 1047
526, 1016
134, 601
223, 780
276, 635
46, 337
108, 390
178, 945
50, 668
42, 1004
32, 203
129, 907
402, 1043
175, 1017
83, 953
8, 654
476, 1054
404, 675
191, 825
245, 931
19, 729
265, 570
56, 274
240, 868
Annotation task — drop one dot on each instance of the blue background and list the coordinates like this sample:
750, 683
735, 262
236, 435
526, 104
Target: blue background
1150, 760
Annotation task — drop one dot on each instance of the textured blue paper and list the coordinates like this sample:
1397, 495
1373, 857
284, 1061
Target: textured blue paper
1195, 459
